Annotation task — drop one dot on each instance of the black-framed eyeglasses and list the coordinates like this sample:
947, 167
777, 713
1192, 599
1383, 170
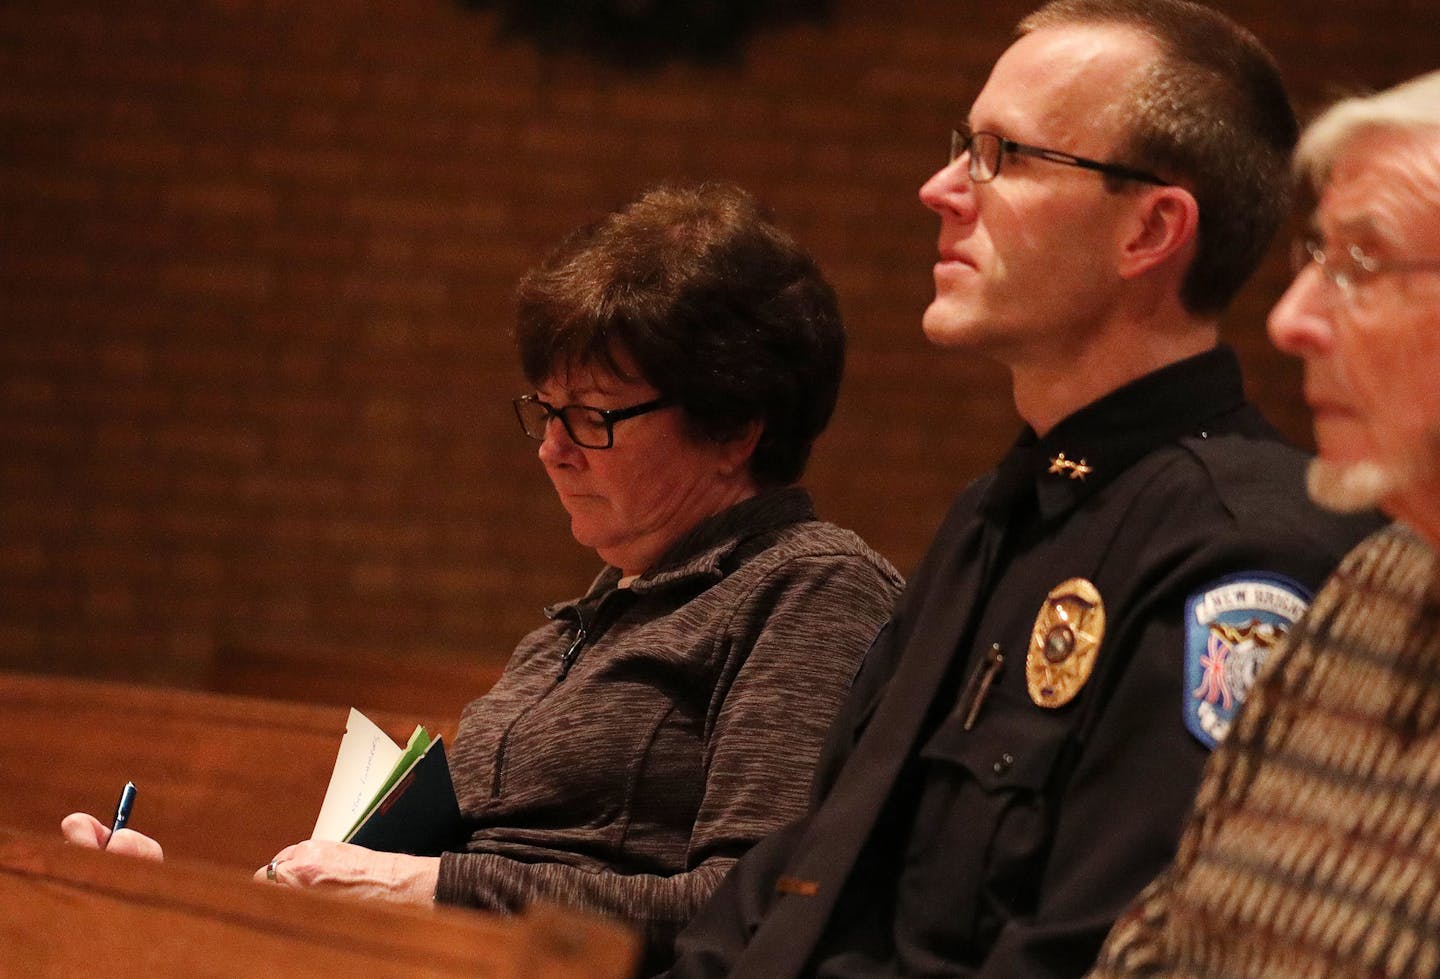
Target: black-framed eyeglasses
588, 427
1349, 267
988, 150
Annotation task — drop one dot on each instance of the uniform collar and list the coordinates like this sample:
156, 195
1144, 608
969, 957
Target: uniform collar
1096, 444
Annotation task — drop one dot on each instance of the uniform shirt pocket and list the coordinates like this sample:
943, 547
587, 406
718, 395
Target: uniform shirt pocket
1012, 748
982, 817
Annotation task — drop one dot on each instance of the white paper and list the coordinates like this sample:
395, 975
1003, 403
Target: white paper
366, 757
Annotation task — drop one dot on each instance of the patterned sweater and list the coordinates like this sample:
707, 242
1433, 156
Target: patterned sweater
1314, 848
647, 736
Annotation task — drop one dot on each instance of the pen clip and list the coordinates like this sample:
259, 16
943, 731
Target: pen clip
978, 686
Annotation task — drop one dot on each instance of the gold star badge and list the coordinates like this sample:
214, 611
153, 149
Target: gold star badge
1059, 465
1064, 642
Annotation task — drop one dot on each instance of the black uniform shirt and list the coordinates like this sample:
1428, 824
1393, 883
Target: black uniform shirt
1008, 848
1016, 832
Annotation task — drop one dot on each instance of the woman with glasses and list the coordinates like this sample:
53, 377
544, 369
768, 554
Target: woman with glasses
685, 354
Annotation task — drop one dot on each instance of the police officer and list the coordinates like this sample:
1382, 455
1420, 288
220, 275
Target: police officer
1025, 736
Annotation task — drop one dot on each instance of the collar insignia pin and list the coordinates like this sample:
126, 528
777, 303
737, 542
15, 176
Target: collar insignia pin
1059, 465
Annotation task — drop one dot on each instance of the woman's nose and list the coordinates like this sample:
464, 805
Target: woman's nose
557, 448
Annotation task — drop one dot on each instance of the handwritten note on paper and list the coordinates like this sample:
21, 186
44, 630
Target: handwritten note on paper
366, 758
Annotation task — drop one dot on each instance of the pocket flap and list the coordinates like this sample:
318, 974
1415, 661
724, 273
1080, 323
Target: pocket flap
1014, 746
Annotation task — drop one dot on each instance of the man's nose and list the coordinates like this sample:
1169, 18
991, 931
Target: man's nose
950, 189
1302, 322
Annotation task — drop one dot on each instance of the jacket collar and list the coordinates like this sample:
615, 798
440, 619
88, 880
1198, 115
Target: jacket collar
1093, 446
704, 551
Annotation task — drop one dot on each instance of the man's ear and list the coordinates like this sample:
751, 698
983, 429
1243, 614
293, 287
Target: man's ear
1166, 221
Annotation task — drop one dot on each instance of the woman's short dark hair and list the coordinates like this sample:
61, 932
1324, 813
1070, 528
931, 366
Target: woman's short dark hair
717, 308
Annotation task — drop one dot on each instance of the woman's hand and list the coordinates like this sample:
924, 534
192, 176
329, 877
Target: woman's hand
83, 829
343, 868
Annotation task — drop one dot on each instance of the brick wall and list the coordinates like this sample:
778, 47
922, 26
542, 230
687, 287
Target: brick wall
254, 281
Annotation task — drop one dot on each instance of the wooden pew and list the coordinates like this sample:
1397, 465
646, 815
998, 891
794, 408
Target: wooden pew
72, 912
229, 780
319, 674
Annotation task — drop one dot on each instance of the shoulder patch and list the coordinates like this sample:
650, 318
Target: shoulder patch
1231, 627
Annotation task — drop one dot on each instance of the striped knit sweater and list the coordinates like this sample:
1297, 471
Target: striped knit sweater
1314, 848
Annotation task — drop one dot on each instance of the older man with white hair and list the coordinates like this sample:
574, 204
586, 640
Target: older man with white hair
1314, 848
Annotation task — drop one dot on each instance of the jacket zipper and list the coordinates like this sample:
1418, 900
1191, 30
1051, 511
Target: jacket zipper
570, 655
567, 660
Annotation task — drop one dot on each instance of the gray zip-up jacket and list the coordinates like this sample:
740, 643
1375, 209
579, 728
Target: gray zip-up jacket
643, 739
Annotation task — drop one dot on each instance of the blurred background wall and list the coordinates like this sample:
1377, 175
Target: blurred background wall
256, 259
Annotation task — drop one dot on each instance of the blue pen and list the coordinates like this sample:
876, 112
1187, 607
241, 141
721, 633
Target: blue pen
122, 810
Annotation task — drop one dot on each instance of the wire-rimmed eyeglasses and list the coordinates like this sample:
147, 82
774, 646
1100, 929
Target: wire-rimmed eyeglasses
1349, 267
987, 154
588, 427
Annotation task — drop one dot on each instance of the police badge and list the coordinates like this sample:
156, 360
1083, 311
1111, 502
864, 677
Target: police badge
1064, 642
1230, 629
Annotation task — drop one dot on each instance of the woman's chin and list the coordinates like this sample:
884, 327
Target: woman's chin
601, 539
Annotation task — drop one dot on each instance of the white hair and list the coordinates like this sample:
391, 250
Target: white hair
1412, 106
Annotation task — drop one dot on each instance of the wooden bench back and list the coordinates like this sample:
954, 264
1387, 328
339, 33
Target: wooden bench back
76, 912
318, 674
229, 780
